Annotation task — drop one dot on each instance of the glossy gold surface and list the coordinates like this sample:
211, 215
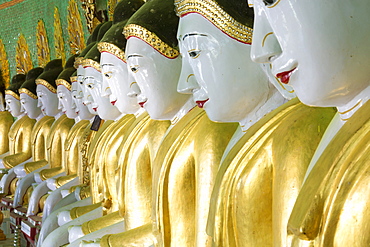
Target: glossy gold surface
43, 51
28, 92
6, 121
4, 64
40, 133
332, 208
136, 163
184, 171
19, 142
97, 224
259, 180
110, 48
23, 56
78, 211
141, 236
75, 28
58, 37
46, 84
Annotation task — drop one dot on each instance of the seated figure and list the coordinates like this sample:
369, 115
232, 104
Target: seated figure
6, 119
187, 160
48, 102
327, 67
40, 130
248, 207
20, 148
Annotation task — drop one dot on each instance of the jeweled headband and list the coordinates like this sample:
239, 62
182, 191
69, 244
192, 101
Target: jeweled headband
112, 49
46, 84
91, 63
28, 92
63, 82
210, 10
133, 30
11, 93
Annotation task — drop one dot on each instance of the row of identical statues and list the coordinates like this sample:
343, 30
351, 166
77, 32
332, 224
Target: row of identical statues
197, 123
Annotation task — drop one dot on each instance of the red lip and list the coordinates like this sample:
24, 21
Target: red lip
285, 76
113, 102
77, 112
142, 104
201, 103
95, 108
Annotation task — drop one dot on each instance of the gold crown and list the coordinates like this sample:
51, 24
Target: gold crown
219, 17
78, 62
112, 49
151, 38
62, 82
46, 84
91, 63
28, 92
11, 93
73, 79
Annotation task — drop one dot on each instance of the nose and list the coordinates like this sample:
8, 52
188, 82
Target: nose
187, 81
39, 103
60, 105
134, 87
265, 46
22, 108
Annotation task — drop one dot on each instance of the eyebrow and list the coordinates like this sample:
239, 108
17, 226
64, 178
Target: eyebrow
107, 64
193, 34
133, 56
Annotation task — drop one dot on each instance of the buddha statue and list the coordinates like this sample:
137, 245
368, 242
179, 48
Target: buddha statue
331, 208
6, 119
40, 130
48, 102
184, 153
241, 214
19, 150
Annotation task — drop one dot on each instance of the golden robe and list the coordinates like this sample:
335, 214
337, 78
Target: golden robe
259, 179
40, 133
183, 176
136, 157
6, 121
332, 208
72, 152
19, 142
55, 149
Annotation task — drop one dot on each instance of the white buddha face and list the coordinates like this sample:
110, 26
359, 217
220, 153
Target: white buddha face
323, 50
81, 109
93, 87
29, 106
66, 104
218, 71
86, 98
48, 101
13, 105
156, 77
115, 84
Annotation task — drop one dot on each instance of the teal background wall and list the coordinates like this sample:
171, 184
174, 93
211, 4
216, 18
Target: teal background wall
21, 16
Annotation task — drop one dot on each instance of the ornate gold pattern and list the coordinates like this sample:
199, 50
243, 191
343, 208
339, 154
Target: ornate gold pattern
43, 52
11, 93
23, 56
73, 79
151, 38
58, 36
62, 82
112, 49
215, 14
89, 8
4, 64
91, 63
111, 4
46, 84
75, 30
28, 92
78, 62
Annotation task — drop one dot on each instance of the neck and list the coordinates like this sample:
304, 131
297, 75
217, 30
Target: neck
346, 111
20, 115
59, 114
119, 117
92, 119
139, 112
39, 117
274, 100
183, 111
